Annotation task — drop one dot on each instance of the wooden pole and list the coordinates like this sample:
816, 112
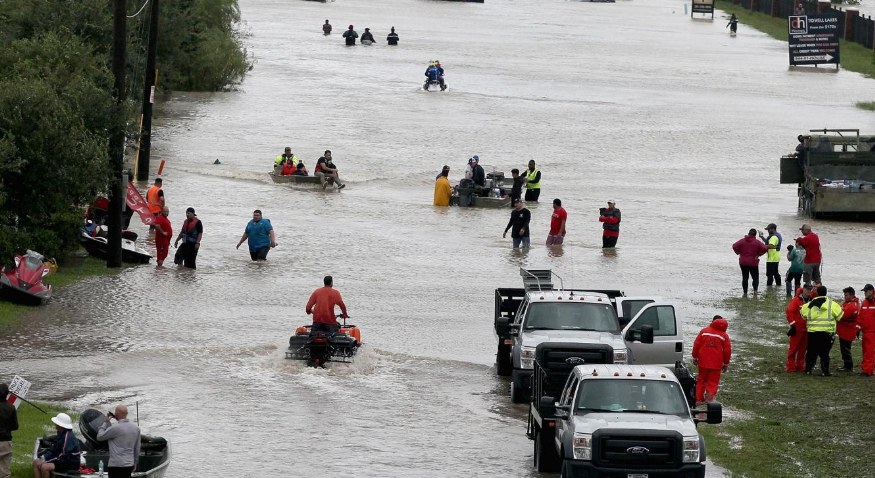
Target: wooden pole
148, 97
117, 139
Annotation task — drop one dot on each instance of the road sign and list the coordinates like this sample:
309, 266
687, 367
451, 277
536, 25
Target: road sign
19, 387
703, 6
814, 39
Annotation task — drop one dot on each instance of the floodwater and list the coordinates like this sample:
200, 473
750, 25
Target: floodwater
634, 101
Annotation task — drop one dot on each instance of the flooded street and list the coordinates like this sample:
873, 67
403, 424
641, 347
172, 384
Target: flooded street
632, 101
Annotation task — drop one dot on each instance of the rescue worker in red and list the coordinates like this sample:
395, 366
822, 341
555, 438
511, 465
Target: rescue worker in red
163, 233
798, 332
610, 219
711, 352
866, 321
847, 328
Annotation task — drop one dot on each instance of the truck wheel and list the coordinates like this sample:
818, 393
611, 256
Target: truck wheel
517, 394
503, 365
546, 459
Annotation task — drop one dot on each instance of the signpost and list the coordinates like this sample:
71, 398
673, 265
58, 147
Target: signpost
18, 389
814, 39
703, 6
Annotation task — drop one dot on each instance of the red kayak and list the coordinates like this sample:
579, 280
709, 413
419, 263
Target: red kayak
24, 283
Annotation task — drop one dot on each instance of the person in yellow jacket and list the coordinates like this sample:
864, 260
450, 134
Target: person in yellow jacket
442, 189
533, 182
285, 157
821, 315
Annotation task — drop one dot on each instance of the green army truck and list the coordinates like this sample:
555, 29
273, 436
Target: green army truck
835, 173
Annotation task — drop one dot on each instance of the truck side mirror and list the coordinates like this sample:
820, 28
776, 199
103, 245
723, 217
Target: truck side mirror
643, 335
715, 413
502, 326
514, 329
547, 406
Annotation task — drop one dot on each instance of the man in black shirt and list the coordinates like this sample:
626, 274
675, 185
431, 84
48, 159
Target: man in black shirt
393, 37
517, 191
519, 221
327, 173
478, 175
8, 424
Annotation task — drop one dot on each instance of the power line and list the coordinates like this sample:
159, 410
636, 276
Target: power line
140, 10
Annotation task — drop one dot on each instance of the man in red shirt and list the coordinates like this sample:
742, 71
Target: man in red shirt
321, 304
712, 351
557, 224
163, 233
610, 219
811, 243
847, 328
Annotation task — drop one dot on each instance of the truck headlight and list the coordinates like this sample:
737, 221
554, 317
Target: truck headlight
691, 449
621, 356
582, 446
527, 357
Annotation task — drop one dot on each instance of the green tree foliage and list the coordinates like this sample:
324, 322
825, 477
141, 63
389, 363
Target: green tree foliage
54, 113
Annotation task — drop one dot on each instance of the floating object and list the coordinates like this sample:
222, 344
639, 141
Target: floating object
23, 284
217, 161
161, 167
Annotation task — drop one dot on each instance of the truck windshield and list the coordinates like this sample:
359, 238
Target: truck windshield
572, 316
631, 396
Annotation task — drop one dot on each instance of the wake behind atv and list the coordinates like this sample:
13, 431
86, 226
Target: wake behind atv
319, 348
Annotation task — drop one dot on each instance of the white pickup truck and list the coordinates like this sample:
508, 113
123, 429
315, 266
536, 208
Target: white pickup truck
616, 420
590, 320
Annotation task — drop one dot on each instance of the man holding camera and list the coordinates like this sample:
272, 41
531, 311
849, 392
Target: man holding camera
124, 443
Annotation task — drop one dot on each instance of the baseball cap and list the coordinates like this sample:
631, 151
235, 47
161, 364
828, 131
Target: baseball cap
191, 210
476, 157
804, 227
446, 168
772, 226
868, 287
752, 232
612, 201
810, 287
716, 317
470, 160
517, 200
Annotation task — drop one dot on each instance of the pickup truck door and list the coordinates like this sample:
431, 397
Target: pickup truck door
517, 340
566, 399
628, 307
668, 342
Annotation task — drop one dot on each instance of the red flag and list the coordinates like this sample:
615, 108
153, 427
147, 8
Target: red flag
136, 202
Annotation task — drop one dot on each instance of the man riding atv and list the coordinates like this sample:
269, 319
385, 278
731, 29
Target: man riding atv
435, 74
321, 305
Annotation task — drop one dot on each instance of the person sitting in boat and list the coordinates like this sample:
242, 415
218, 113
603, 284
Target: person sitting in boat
478, 175
367, 36
326, 171
286, 157
63, 456
288, 168
300, 170
435, 72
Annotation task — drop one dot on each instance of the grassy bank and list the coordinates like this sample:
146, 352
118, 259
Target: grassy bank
854, 57
72, 269
788, 425
32, 423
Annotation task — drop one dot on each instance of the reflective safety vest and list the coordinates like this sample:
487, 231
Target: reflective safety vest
532, 184
152, 200
282, 158
823, 318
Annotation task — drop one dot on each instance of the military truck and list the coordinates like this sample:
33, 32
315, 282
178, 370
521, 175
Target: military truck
835, 173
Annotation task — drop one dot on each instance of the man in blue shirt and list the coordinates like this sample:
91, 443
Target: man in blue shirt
435, 73
261, 237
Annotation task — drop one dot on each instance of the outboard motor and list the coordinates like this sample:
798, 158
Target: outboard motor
466, 193
89, 425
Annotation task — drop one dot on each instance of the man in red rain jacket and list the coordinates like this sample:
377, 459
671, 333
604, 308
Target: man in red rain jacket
711, 352
847, 328
798, 332
866, 321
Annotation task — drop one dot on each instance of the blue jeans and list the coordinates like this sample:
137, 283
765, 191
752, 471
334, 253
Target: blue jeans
524, 240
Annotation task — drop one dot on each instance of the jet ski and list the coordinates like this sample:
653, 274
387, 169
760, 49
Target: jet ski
23, 284
429, 83
94, 239
319, 348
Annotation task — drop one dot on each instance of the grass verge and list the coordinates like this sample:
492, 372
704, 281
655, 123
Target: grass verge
854, 57
866, 105
32, 423
788, 425
70, 270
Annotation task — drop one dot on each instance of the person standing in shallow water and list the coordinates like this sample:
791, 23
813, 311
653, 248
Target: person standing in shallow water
610, 219
392, 38
749, 250
326, 28
518, 225
367, 36
163, 233
733, 24
259, 233
350, 36
191, 235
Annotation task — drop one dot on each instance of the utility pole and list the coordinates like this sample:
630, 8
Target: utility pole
148, 97
117, 139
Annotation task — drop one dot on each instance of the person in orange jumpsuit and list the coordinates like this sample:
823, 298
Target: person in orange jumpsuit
711, 352
866, 321
798, 331
847, 328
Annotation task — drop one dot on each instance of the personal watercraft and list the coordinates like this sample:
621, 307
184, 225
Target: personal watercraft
94, 240
319, 348
430, 82
23, 284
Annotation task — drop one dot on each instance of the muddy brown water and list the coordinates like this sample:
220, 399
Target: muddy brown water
678, 122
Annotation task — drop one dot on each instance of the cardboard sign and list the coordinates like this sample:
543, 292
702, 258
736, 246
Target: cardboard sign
814, 39
19, 387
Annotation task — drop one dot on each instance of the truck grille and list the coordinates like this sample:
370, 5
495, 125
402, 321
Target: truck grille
612, 451
552, 359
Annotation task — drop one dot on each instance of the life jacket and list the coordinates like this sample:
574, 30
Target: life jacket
189, 230
283, 159
532, 184
152, 200
611, 213
774, 255
288, 169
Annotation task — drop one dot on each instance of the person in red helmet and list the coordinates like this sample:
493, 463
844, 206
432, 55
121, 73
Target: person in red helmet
847, 328
350, 36
712, 351
866, 321
798, 331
